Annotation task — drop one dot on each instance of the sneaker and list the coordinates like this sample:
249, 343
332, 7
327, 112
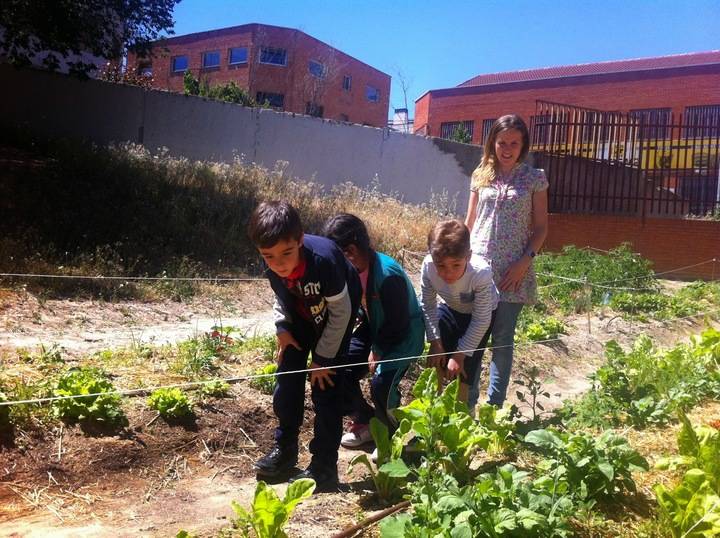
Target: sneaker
326, 477
279, 460
358, 435
374, 456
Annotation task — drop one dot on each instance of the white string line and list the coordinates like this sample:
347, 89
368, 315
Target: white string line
601, 284
190, 384
163, 278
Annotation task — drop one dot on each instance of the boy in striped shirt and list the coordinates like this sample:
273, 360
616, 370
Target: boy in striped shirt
460, 324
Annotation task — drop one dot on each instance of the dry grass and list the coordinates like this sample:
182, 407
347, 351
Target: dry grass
118, 210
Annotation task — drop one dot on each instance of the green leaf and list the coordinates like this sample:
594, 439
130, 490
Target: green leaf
381, 436
394, 527
395, 469
297, 492
544, 439
607, 470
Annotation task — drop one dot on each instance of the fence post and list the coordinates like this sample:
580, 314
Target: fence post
588, 290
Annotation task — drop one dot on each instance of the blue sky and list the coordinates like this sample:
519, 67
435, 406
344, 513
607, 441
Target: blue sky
439, 44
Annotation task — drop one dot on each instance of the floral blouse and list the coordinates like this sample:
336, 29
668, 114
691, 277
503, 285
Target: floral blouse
502, 227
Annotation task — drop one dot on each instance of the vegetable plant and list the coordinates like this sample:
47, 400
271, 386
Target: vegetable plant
171, 403
104, 408
266, 384
594, 468
391, 475
268, 513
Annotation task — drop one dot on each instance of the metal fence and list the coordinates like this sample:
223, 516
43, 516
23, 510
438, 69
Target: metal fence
641, 163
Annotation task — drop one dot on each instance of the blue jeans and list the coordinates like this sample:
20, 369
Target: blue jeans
503, 334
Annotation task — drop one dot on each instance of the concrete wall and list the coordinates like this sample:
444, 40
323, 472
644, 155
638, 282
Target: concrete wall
326, 151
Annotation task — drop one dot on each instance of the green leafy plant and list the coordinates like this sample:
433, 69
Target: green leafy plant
505, 503
692, 508
443, 429
547, 328
594, 468
269, 514
499, 428
196, 356
699, 448
171, 403
217, 388
105, 408
266, 384
391, 475
533, 390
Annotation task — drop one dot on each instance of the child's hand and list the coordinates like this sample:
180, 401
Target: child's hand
373, 360
456, 366
436, 359
284, 339
322, 377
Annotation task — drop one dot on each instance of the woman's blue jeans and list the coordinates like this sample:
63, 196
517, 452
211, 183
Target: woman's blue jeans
503, 335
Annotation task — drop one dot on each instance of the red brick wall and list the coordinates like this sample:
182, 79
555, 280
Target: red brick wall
669, 243
611, 92
293, 81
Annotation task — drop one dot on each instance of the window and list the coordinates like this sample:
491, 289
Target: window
372, 94
451, 130
273, 56
211, 59
347, 83
704, 121
486, 126
313, 109
179, 64
655, 122
316, 69
238, 55
275, 100
145, 70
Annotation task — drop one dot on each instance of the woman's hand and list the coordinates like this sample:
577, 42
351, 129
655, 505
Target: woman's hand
514, 274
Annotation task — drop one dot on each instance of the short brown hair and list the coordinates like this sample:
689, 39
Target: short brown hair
272, 222
449, 239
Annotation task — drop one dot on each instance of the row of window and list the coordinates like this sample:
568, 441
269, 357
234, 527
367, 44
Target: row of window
268, 55
699, 121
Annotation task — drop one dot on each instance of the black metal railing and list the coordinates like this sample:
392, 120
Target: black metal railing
610, 162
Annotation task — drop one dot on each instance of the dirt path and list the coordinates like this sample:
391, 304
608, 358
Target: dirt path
158, 478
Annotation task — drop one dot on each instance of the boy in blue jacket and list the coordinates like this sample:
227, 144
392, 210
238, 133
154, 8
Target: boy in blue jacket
390, 327
317, 293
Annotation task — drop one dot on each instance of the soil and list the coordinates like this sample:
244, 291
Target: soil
154, 478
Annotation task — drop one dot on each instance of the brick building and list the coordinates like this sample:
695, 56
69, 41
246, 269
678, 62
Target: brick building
649, 88
286, 68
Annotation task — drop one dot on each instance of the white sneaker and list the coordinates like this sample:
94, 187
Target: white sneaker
358, 435
374, 456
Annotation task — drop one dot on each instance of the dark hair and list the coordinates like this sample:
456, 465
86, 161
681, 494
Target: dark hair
449, 239
505, 123
272, 222
346, 229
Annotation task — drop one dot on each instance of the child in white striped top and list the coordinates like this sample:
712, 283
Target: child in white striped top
461, 323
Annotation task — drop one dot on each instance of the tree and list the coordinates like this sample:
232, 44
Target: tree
67, 29
230, 92
461, 134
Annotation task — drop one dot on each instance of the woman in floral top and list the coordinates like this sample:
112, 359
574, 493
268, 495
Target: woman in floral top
507, 216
